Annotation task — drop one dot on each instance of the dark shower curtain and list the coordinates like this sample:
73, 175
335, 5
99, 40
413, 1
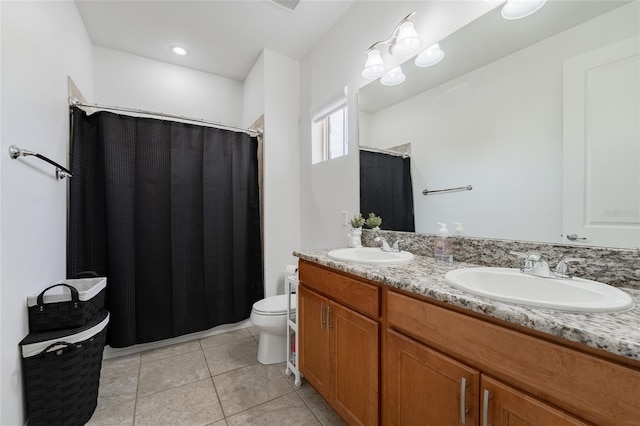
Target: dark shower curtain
386, 190
169, 213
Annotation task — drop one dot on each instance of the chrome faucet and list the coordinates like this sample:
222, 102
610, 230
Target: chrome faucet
385, 245
535, 264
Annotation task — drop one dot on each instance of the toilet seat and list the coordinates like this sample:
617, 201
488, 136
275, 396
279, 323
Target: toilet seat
274, 305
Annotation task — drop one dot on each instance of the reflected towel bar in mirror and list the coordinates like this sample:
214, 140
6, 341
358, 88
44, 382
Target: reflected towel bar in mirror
460, 188
61, 172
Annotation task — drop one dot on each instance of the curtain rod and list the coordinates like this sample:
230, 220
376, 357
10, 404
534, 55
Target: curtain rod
251, 132
385, 151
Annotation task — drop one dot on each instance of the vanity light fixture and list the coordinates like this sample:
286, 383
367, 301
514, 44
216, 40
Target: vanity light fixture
430, 56
179, 50
404, 41
516, 9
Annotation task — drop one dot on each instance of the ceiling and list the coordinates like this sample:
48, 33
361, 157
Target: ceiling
223, 37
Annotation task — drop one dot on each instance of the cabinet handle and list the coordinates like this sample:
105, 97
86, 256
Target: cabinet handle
485, 408
463, 400
322, 315
329, 317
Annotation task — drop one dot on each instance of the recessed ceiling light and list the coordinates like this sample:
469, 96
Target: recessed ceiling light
179, 50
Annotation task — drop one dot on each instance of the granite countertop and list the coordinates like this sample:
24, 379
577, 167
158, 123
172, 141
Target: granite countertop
617, 333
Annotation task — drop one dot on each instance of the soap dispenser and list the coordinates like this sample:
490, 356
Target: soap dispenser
443, 248
459, 229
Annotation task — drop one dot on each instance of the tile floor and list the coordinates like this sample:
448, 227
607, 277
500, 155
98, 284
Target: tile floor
213, 381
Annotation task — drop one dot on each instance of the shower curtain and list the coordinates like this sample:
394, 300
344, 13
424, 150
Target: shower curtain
169, 213
386, 189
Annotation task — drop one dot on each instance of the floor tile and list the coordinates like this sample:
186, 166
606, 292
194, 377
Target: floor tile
250, 386
170, 351
118, 380
220, 339
117, 415
230, 356
284, 411
173, 385
319, 406
192, 404
158, 376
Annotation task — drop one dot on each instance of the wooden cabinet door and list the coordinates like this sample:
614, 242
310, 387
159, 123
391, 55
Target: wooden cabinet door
424, 387
503, 405
355, 362
314, 340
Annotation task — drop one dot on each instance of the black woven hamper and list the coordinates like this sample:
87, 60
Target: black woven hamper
66, 304
61, 373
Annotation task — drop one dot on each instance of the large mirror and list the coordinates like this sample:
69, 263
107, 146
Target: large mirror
539, 117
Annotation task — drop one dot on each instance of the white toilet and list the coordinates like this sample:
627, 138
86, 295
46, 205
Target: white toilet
270, 316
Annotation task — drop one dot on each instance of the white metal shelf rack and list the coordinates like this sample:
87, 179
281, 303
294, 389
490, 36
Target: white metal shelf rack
291, 289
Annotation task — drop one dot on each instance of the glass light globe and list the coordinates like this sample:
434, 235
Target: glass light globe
407, 43
430, 56
393, 77
374, 66
516, 9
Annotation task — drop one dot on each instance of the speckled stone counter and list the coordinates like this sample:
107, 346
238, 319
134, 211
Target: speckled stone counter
617, 333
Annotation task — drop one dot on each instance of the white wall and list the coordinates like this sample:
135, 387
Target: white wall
335, 62
499, 129
281, 167
42, 43
135, 82
253, 93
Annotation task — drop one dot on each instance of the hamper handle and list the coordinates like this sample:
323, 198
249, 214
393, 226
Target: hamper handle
86, 274
60, 346
75, 298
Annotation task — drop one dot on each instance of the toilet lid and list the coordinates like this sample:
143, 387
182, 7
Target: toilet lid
274, 304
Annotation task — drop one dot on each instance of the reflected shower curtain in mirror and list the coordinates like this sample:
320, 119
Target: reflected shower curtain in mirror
169, 213
386, 190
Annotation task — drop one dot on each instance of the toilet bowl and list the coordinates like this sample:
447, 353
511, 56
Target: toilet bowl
269, 315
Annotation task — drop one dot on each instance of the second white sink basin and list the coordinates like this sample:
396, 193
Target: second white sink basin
513, 286
373, 255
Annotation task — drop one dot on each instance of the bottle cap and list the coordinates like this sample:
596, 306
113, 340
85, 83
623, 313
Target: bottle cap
443, 232
459, 228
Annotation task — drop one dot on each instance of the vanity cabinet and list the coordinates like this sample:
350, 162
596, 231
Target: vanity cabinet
339, 341
523, 379
506, 406
425, 387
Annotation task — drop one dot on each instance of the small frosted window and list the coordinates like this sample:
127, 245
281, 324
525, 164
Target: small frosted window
330, 135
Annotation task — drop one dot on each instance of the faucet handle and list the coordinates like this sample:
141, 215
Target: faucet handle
563, 270
526, 262
385, 244
531, 261
396, 244
534, 256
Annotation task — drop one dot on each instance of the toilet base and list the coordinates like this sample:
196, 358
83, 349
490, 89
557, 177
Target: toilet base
272, 349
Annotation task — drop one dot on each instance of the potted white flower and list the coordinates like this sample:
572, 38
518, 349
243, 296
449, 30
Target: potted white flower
373, 222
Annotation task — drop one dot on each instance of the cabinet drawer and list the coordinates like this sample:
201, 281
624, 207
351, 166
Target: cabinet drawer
598, 390
360, 296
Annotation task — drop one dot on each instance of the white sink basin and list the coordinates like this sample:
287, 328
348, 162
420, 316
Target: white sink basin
513, 286
373, 255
